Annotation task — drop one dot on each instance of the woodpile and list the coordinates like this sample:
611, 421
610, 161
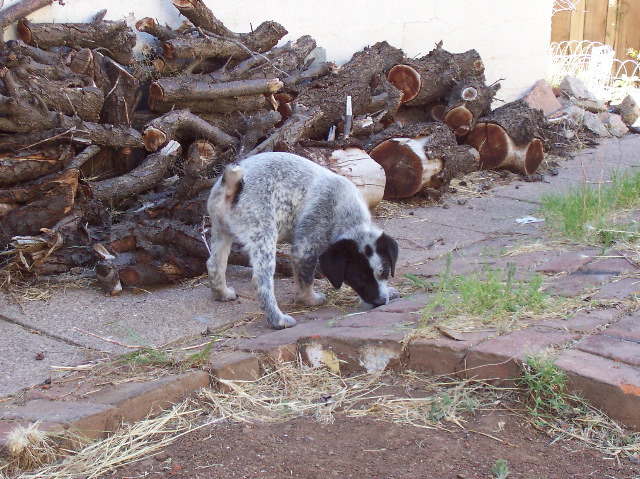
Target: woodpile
106, 162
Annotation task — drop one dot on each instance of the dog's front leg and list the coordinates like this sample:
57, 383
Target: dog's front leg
304, 268
264, 267
217, 265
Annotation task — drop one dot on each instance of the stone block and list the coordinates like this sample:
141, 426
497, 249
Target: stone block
616, 349
566, 262
621, 289
627, 327
584, 321
541, 97
575, 89
577, 283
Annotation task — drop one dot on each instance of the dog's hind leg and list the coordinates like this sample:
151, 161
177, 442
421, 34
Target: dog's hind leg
263, 262
221, 242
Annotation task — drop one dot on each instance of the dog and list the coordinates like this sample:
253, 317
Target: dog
281, 197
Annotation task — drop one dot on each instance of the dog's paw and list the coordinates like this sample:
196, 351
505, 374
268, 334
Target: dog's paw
284, 321
393, 293
226, 295
314, 299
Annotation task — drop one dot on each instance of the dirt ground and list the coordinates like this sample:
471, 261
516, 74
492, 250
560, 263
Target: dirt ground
366, 448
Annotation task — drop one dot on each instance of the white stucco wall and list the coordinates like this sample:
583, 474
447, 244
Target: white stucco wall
511, 36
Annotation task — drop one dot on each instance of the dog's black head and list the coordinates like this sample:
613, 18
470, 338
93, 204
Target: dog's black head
365, 267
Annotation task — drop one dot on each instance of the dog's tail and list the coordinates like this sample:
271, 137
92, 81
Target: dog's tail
232, 183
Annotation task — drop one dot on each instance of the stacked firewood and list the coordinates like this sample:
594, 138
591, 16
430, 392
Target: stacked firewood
106, 162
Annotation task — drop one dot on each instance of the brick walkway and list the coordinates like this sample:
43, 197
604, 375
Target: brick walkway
598, 348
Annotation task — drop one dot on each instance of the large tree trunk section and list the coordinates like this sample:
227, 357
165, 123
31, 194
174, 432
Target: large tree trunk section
115, 38
428, 79
414, 164
181, 124
358, 78
509, 138
354, 164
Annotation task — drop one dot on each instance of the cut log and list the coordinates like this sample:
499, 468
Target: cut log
115, 39
19, 10
466, 103
262, 39
150, 26
121, 93
146, 176
414, 164
256, 129
17, 167
244, 104
183, 124
429, 79
195, 88
354, 164
509, 138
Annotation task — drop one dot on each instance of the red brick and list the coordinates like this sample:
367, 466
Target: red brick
378, 319
584, 321
412, 304
567, 262
617, 349
526, 261
608, 385
88, 419
577, 283
234, 366
614, 266
500, 357
628, 327
442, 356
135, 401
624, 288
459, 266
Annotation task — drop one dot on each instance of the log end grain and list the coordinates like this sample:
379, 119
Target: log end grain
407, 80
534, 155
493, 144
459, 119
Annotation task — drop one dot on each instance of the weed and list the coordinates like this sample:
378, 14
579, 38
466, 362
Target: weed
500, 469
593, 214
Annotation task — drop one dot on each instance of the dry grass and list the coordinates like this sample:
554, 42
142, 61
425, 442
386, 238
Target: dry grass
29, 447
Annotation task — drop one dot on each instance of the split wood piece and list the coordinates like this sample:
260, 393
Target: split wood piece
262, 39
115, 39
17, 167
355, 165
181, 124
144, 177
428, 79
220, 106
83, 133
265, 37
358, 78
195, 88
150, 26
414, 164
66, 96
44, 212
466, 103
122, 94
509, 138
256, 128
291, 131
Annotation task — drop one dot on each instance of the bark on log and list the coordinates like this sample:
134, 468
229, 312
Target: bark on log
17, 167
183, 124
354, 164
466, 103
413, 164
146, 176
115, 39
262, 39
245, 104
19, 10
121, 93
80, 132
195, 88
256, 129
429, 79
358, 78
509, 138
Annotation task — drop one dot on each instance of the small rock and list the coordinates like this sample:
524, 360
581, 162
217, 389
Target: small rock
541, 97
594, 106
629, 110
592, 122
614, 124
575, 89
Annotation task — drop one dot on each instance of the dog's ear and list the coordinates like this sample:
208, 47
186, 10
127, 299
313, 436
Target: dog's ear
387, 247
334, 260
